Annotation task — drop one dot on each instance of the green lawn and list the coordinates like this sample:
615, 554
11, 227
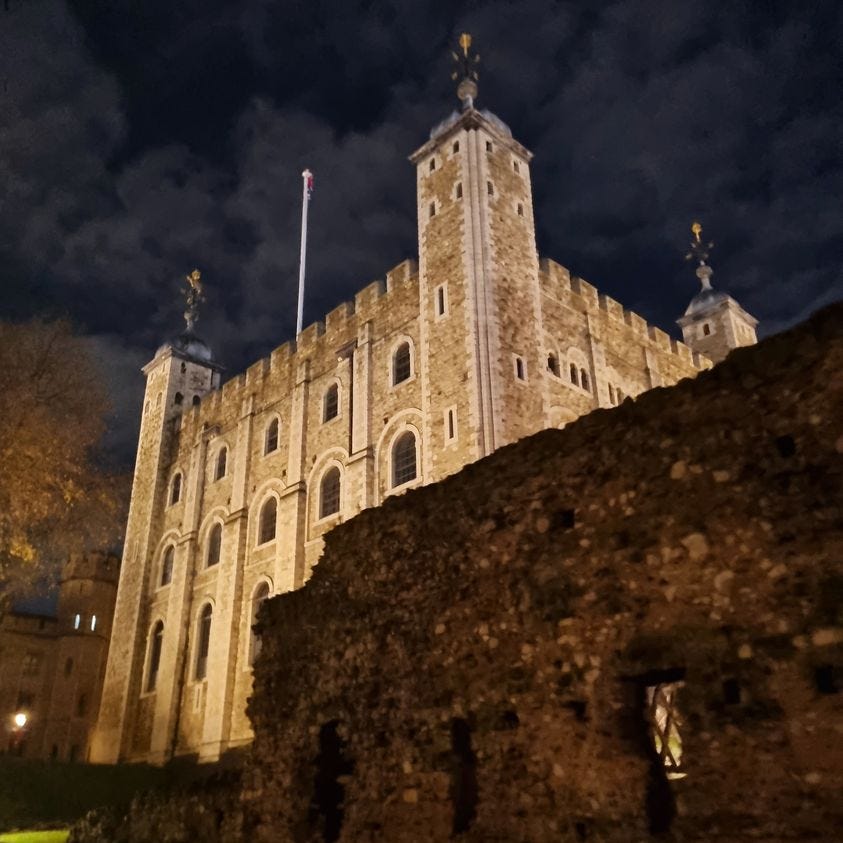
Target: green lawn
34, 837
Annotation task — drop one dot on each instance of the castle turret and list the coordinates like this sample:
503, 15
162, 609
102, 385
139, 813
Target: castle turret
713, 323
180, 374
479, 274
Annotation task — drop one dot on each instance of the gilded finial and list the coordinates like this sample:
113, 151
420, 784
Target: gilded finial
700, 252
193, 297
466, 71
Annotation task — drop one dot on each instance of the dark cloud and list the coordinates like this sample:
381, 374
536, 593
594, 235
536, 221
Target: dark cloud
140, 140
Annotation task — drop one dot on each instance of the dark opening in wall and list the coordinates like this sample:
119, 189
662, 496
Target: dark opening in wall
785, 446
331, 763
731, 691
510, 720
463, 777
827, 678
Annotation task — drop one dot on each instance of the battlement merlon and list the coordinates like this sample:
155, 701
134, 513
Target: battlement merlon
470, 119
555, 275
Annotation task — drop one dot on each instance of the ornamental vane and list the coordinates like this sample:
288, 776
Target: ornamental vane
466, 71
193, 296
699, 251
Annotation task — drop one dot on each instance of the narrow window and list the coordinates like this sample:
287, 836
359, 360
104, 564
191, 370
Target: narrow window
81, 705
401, 364
222, 459
77, 621
619, 393
261, 593
451, 422
464, 777
490, 188
440, 300
520, 209
203, 641
432, 209
456, 146
612, 394
553, 364
167, 565
175, 491
333, 766
574, 375
516, 166
519, 369
266, 532
459, 190
214, 545
664, 720
178, 399
183, 368
432, 164
584, 379
488, 146
155, 642
329, 493
196, 400
331, 404
404, 459
706, 329
93, 623
270, 442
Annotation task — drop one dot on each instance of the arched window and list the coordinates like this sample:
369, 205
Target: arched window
575, 378
156, 639
175, 489
203, 641
329, 492
266, 525
553, 364
167, 565
404, 459
331, 403
196, 399
270, 440
584, 379
77, 621
221, 464
706, 329
214, 545
261, 593
93, 623
177, 400
401, 364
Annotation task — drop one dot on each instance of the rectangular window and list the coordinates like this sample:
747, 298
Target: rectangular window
520, 371
459, 190
490, 188
441, 301
488, 146
456, 146
432, 209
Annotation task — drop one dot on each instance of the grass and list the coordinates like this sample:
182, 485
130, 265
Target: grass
34, 837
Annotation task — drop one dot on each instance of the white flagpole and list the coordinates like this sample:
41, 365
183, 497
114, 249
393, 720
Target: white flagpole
305, 202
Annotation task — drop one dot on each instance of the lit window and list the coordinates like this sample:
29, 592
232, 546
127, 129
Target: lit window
221, 465
167, 565
261, 593
156, 639
93, 623
270, 442
331, 404
663, 715
329, 493
203, 641
175, 490
266, 531
404, 459
77, 621
31, 665
401, 364
214, 545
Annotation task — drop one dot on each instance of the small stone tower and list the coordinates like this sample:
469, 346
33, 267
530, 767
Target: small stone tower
713, 323
479, 273
179, 375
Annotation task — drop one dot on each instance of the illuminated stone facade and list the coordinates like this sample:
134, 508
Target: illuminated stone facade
500, 345
52, 666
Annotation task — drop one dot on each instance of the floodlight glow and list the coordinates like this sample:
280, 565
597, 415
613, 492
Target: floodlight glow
20, 720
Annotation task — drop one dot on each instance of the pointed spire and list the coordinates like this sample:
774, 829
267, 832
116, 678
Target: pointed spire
466, 72
700, 252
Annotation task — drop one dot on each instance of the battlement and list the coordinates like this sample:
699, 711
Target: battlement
556, 278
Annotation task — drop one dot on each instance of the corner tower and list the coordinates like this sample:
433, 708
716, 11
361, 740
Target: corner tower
713, 323
181, 372
479, 274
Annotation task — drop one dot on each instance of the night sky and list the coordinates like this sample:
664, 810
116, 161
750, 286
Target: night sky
141, 139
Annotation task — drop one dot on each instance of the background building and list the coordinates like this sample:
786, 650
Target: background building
52, 667
477, 345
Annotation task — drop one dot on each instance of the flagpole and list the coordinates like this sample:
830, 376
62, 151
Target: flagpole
307, 182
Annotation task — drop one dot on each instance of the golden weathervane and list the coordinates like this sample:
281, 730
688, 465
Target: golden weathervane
466, 71
193, 297
699, 250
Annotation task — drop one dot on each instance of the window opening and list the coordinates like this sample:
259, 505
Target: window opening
155, 655
519, 369
81, 705
584, 379
404, 459
214, 545
93, 623
203, 641
520, 210
488, 146
432, 209
77, 621
329, 493
665, 721
261, 593
332, 402
167, 565
432, 164
332, 764
266, 532
452, 429
706, 329
490, 188
178, 399
456, 146
575, 379
222, 460
183, 368
459, 190
553, 364
463, 776
516, 167
175, 494
401, 364
440, 300
196, 400
271, 439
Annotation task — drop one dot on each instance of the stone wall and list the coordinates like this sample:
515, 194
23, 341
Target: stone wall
477, 657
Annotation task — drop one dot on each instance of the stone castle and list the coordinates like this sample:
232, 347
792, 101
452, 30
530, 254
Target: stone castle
476, 346
52, 666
